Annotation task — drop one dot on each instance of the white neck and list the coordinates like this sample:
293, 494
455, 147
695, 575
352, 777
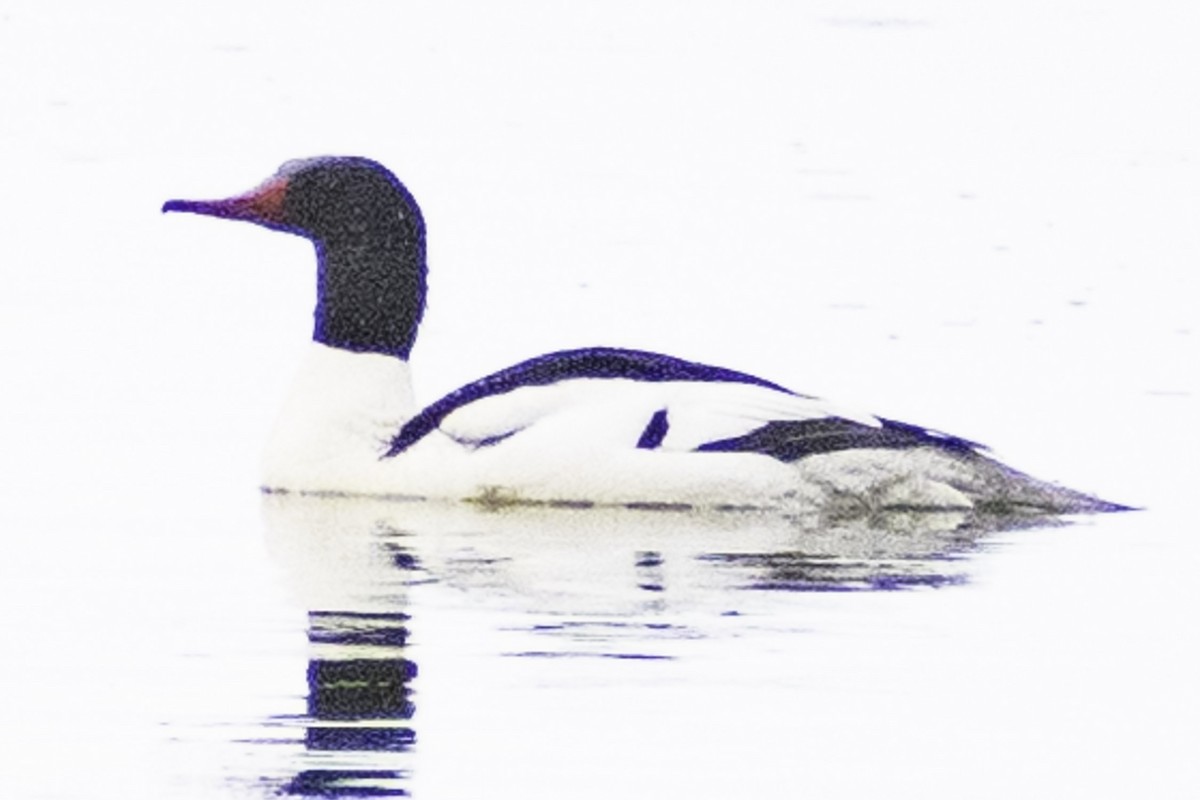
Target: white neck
340, 416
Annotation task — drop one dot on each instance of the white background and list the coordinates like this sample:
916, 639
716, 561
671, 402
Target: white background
980, 217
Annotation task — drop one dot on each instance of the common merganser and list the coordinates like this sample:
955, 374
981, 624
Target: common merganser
595, 426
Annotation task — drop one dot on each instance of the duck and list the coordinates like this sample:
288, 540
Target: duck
595, 426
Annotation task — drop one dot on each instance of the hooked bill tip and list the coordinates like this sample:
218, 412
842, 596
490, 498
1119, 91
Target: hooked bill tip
234, 207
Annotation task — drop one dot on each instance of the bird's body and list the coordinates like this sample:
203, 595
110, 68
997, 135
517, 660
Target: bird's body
598, 426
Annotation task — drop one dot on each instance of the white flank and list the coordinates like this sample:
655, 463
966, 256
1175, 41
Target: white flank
576, 442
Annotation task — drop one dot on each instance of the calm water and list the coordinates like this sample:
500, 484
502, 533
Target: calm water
332, 648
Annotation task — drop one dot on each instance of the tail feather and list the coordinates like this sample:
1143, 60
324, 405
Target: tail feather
894, 464
938, 478
993, 486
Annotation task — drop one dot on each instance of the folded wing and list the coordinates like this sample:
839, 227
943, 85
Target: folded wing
631, 398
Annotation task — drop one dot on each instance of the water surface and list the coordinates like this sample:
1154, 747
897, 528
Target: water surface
442, 650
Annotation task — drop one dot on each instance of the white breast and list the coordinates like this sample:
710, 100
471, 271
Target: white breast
340, 415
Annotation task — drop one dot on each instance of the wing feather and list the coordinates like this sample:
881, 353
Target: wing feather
630, 399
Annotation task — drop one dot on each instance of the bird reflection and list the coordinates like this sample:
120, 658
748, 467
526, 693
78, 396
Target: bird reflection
591, 583
357, 705
357, 727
